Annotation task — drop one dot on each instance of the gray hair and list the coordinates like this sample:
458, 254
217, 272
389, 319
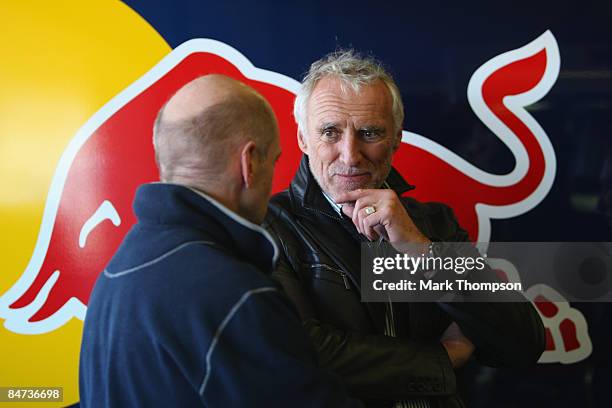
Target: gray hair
355, 71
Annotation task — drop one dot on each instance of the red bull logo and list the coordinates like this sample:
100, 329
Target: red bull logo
498, 93
567, 336
88, 209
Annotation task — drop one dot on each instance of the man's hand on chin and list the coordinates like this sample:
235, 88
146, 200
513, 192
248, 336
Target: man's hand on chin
377, 212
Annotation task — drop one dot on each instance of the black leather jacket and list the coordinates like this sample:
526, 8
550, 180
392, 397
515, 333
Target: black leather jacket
320, 271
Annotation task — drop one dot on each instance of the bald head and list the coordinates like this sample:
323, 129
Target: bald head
200, 129
201, 93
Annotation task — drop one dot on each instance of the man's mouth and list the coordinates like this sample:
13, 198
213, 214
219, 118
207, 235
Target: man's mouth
353, 176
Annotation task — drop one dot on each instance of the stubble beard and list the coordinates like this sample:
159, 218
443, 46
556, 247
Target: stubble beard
374, 183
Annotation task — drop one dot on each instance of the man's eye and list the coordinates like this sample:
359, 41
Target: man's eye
329, 134
370, 134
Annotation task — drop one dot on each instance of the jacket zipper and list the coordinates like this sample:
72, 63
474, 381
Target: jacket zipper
345, 278
338, 271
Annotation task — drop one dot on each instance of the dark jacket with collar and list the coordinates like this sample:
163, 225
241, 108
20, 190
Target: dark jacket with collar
184, 315
319, 270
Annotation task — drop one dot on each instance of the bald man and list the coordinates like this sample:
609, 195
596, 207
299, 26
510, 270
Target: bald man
184, 314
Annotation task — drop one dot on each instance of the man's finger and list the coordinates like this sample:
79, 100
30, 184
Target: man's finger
381, 231
369, 227
359, 213
348, 209
359, 204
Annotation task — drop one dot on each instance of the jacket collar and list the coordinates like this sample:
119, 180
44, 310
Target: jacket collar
173, 204
307, 195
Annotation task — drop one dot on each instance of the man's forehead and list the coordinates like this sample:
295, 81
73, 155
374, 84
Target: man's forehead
330, 98
346, 90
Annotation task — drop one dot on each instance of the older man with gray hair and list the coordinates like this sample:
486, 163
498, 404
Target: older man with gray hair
185, 315
349, 114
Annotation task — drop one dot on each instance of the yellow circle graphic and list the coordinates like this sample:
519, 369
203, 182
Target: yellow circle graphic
61, 61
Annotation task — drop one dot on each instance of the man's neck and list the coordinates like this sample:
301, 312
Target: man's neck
337, 207
220, 196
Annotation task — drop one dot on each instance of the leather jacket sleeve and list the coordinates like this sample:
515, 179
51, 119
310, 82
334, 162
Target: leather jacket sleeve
505, 334
373, 366
381, 367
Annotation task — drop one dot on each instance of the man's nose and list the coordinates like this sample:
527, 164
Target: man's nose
350, 149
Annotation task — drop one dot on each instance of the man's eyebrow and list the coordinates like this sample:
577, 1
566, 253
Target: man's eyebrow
328, 125
372, 128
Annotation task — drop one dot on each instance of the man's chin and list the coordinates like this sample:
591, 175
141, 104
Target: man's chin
345, 187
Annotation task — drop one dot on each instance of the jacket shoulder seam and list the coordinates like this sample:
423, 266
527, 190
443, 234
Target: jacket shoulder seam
160, 258
222, 326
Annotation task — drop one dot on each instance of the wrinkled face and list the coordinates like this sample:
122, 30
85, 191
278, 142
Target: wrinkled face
350, 137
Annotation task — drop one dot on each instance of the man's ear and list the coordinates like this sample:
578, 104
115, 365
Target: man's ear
248, 163
302, 141
397, 141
